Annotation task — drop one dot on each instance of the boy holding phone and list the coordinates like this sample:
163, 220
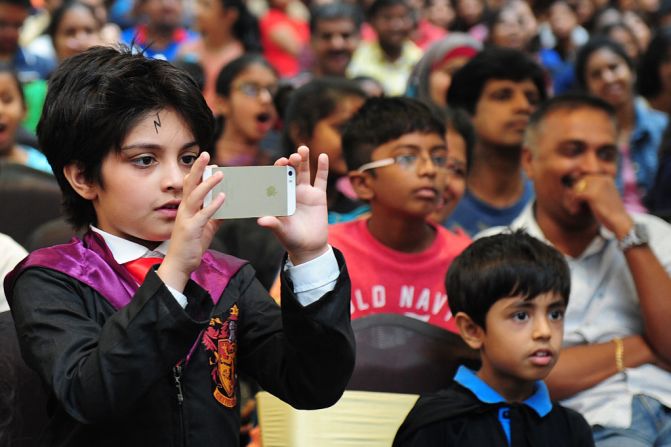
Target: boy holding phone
509, 293
136, 357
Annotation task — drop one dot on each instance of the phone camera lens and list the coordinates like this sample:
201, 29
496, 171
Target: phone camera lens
291, 173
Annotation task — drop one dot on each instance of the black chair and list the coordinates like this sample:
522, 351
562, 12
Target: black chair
400, 354
23, 400
28, 199
54, 232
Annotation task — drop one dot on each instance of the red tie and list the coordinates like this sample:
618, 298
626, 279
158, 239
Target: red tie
138, 269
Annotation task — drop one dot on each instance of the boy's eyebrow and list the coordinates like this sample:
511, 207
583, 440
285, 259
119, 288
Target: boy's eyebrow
527, 303
419, 148
154, 146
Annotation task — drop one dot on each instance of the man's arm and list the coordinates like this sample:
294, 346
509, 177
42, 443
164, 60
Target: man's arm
651, 279
582, 367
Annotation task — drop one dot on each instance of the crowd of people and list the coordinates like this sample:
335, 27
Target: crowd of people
500, 169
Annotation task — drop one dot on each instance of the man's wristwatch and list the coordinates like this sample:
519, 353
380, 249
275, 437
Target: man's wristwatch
637, 236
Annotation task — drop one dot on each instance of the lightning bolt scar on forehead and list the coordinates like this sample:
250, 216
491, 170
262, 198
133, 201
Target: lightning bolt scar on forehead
157, 122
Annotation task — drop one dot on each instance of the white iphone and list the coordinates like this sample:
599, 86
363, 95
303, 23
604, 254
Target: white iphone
254, 191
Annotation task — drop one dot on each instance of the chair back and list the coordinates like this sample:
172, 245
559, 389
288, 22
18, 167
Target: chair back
29, 198
400, 354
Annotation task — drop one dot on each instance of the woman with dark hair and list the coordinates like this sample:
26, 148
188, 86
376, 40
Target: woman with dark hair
227, 30
604, 69
245, 90
74, 28
654, 71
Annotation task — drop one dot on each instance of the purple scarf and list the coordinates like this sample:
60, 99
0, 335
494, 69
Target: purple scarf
90, 261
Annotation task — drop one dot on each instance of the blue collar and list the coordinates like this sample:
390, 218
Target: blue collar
539, 401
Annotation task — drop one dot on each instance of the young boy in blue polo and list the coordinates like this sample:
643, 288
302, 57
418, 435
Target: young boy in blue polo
137, 357
509, 293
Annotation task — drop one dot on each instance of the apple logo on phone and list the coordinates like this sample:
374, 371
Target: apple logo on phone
271, 191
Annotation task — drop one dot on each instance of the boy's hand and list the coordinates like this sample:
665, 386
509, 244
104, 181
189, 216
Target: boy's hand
194, 229
304, 234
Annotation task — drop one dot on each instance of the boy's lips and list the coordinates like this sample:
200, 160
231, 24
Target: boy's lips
541, 357
426, 193
169, 209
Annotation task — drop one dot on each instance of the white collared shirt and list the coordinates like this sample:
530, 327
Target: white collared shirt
311, 279
603, 305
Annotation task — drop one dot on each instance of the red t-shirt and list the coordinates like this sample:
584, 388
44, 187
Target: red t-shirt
388, 281
285, 63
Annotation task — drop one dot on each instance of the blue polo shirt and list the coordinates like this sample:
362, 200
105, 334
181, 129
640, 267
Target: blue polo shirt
472, 215
539, 401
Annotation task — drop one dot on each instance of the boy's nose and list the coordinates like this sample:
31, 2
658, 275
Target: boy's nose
425, 165
542, 328
173, 177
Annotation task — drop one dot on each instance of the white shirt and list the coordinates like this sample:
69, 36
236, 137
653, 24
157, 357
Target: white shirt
604, 304
311, 279
11, 254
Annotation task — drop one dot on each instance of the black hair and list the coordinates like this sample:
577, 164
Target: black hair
501, 266
648, 81
194, 69
569, 102
381, 120
96, 98
593, 45
59, 14
313, 102
459, 120
378, 5
335, 11
8, 68
492, 63
232, 70
246, 27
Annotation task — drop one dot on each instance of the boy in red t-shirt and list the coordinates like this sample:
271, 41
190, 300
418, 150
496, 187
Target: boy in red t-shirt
396, 153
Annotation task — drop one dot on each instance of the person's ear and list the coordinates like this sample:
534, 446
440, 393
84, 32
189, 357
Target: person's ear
231, 16
74, 174
361, 183
471, 332
221, 106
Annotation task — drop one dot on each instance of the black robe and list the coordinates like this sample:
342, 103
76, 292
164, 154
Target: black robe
455, 417
155, 374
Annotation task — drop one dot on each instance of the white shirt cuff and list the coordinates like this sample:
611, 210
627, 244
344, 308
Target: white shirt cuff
179, 296
314, 278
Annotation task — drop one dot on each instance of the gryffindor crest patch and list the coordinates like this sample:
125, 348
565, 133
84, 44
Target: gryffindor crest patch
220, 340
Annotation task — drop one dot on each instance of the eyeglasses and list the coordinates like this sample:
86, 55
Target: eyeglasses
406, 162
253, 90
456, 168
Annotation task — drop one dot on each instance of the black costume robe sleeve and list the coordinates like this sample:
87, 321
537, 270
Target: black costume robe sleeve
110, 372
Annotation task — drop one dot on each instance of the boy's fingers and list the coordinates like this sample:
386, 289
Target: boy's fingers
195, 175
282, 161
197, 196
270, 222
212, 208
322, 172
302, 164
